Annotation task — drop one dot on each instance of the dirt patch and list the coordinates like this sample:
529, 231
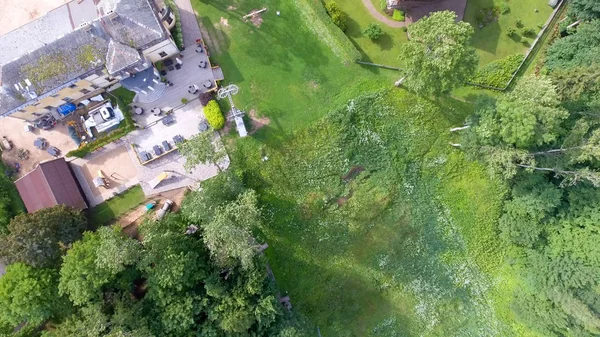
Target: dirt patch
353, 173
224, 22
256, 19
257, 122
341, 201
313, 85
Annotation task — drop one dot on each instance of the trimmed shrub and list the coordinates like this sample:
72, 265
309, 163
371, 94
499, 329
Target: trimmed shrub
214, 116
337, 16
498, 73
504, 8
373, 31
529, 32
205, 97
519, 23
511, 31
398, 15
184, 100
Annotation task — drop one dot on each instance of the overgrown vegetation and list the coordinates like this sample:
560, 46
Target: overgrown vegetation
11, 204
497, 73
111, 209
213, 114
122, 98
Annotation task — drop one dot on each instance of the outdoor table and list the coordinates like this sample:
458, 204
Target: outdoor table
203, 126
202, 64
208, 84
199, 48
192, 89
53, 151
157, 150
39, 143
166, 145
168, 120
168, 62
138, 111
155, 111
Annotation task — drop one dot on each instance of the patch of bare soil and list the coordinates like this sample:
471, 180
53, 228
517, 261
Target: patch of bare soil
353, 173
256, 19
257, 122
341, 201
224, 22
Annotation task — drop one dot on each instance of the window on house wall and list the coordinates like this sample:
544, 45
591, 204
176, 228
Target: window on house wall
48, 107
84, 91
94, 86
73, 86
107, 79
66, 99
162, 54
55, 95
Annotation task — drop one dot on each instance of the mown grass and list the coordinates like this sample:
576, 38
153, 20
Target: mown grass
111, 209
491, 41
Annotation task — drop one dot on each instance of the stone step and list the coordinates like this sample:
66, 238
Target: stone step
150, 96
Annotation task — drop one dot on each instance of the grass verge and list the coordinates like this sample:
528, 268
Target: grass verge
111, 209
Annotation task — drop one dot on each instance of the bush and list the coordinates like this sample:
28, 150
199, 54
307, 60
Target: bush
205, 97
214, 116
504, 8
405, 29
529, 32
398, 15
519, 23
177, 31
184, 100
511, 31
498, 73
337, 16
373, 31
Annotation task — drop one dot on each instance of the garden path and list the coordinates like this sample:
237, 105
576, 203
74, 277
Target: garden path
380, 17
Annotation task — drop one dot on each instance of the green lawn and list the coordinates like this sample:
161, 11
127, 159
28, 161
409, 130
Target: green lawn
383, 51
405, 247
111, 209
491, 41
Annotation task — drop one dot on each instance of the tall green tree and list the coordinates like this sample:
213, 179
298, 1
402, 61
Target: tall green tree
201, 149
39, 239
585, 9
577, 50
438, 57
29, 295
229, 235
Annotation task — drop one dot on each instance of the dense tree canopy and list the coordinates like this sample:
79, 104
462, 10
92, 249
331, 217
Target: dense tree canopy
585, 9
40, 238
438, 58
578, 50
202, 149
29, 295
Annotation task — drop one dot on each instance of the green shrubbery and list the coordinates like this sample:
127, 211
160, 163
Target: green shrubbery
398, 15
318, 21
337, 16
214, 116
177, 31
373, 31
498, 73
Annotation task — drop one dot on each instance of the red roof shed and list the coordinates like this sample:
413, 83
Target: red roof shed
51, 183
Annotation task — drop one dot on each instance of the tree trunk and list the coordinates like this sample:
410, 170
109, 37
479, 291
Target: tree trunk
460, 128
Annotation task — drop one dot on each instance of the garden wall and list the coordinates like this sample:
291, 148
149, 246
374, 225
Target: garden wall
314, 14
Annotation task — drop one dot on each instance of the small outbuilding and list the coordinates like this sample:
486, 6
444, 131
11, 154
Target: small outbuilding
51, 183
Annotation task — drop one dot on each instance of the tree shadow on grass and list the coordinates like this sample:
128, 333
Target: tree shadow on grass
385, 42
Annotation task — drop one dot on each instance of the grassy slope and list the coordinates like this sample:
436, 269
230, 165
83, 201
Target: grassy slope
397, 271
491, 41
111, 209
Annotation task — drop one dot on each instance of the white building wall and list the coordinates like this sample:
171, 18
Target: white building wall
166, 47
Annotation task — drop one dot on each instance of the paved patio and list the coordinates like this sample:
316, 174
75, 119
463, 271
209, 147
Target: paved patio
119, 160
189, 23
189, 74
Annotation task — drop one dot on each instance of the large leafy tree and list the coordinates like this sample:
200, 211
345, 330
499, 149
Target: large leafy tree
39, 239
229, 235
530, 115
29, 295
577, 50
203, 148
585, 9
438, 58
94, 262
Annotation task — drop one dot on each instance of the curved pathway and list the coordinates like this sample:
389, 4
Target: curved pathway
380, 17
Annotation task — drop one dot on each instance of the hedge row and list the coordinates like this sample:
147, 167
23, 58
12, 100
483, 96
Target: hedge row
125, 127
498, 73
319, 22
214, 116
177, 31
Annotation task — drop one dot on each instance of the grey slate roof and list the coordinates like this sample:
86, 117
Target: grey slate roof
50, 53
120, 56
